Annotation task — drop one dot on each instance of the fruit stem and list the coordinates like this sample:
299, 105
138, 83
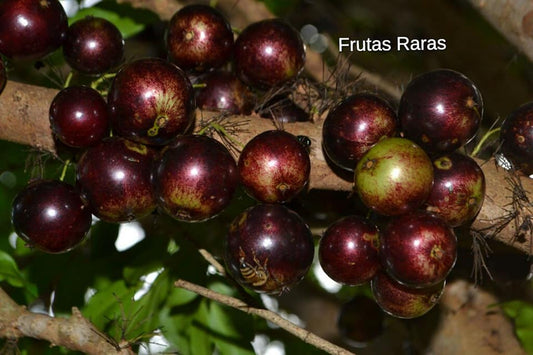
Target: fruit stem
487, 135
64, 170
96, 83
68, 80
217, 127
199, 85
213, 3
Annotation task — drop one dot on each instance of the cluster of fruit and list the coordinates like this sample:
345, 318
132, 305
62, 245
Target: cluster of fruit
405, 165
152, 161
407, 171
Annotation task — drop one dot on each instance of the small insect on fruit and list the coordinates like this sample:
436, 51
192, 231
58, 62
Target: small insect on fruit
255, 275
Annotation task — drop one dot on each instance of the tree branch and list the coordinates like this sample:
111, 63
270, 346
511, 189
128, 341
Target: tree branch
75, 333
513, 18
24, 119
273, 317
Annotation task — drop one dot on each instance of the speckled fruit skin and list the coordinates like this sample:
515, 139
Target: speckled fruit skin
517, 138
360, 321
353, 126
195, 178
269, 248
440, 110
349, 250
151, 101
51, 216
3, 75
199, 38
458, 189
269, 53
394, 177
79, 116
274, 166
224, 92
42, 32
115, 177
401, 301
418, 249
93, 45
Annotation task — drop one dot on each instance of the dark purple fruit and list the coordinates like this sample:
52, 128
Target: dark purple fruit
418, 249
93, 45
269, 53
440, 110
458, 189
394, 177
195, 178
354, 126
51, 216
360, 321
31, 29
401, 301
115, 177
517, 138
79, 116
269, 248
151, 101
274, 166
349, 251
199, 38
3, 75
224, 92
283, 110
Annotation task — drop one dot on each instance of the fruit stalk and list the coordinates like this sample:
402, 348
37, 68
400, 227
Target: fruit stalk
24, 120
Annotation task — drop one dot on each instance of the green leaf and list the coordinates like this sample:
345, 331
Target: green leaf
145, 311
9, 271
108, 305
232, 330
280, 7
128, 20
201, 343
522, 314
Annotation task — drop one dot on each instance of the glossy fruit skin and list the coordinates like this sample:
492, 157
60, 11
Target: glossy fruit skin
360, 321
224, 92
274, 166
79, 116
269, 248
51, 216
516, 138
3, 75
349, 250
458, 189
418, 249
283, 110
115, 177
151, 101
440, 110
353, 126
401, 301
394, 177
269, 53
199, 38
93, 45
195, 178
31, 29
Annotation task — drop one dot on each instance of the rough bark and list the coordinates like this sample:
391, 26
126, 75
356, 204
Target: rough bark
513, 18
24, 119
75, 333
